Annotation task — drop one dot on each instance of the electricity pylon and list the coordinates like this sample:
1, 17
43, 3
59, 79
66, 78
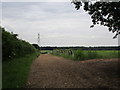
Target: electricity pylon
39, 41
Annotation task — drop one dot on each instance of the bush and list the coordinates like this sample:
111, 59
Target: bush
14, 47
79, 54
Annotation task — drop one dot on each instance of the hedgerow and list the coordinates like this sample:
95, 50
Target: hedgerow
14, 47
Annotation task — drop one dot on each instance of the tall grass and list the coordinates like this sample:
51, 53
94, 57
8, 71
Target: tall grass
88, 54
98, 54
15, 71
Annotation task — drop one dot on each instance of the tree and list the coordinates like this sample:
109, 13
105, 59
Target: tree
36, 46
103, 13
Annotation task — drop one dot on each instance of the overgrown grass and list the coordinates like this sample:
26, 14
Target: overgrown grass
15, 71
87, 54
98, 54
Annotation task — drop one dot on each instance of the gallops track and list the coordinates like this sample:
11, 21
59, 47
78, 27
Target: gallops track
49, 71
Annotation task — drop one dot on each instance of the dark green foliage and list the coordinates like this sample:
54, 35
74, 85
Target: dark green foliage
103, 13
79, 54
14, 47
36, 46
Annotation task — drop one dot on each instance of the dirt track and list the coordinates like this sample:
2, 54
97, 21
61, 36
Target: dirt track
49, 71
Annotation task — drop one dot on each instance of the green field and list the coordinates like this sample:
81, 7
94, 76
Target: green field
87, 54
15, 71
46, 51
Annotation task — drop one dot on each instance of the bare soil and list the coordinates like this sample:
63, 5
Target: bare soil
49, 71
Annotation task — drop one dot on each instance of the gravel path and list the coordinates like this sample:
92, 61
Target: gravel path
49, 71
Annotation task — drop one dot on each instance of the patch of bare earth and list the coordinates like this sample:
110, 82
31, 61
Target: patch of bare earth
49, 71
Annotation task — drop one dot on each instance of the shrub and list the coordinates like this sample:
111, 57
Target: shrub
79, 55
14, 47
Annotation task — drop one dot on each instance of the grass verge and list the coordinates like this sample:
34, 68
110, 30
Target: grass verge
15, 72
79, 55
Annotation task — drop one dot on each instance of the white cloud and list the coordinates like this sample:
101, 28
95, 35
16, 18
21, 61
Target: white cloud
35, 0
57, 23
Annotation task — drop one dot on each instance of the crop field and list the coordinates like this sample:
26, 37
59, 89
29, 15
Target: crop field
86, 54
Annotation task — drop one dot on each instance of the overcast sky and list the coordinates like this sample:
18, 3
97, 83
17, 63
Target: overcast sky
58, 23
